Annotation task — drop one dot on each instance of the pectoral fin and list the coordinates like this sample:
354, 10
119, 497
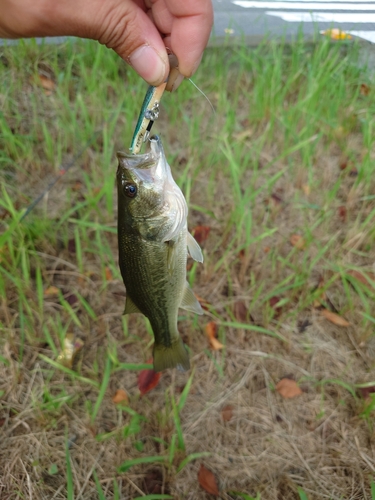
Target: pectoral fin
130, 307
194, 249
171, 256
189, 301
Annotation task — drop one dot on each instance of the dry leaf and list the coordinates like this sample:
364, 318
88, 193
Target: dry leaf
245, 134
240, 311
288, 388
211, 331
72, 245
70, 349
334, 318
276, 199
207, 481
77, 186
368, 279
227, 413
47, 84
297, 241
364, 89
306, 189
266, 249
342, 213
108, 274
273, 303
336, 34
322, 297
153, 482
366, 391
201, 233
204, 303
120, 397
51, 290
148, 380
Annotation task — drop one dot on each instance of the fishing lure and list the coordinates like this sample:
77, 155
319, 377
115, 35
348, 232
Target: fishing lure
151, 104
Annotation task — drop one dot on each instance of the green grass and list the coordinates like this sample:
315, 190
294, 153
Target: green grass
265, 167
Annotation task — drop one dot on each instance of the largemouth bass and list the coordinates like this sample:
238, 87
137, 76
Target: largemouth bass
153, 245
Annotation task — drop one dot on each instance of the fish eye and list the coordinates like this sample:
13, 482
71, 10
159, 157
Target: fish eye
130, 190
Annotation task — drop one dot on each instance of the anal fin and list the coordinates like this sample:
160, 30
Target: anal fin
189, 301
130, 307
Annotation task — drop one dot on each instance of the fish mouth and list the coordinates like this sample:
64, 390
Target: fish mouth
149, 167
146, 160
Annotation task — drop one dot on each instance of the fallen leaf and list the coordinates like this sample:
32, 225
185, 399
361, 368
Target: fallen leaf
77, 186
211, 331
51, 290
288, 388
245, 134
273, 303
303, 324
276, 199
266, 249
366, 391
47, 84
207, 481
336, 34
4, 213
364, 89
148, 380
108, 274
342, 212
297, 241
334, 318
72, 245
306, 189
71, 299
153, 482
204, 303
344, 165
227, 413
201, 233
320, 293
120, 397
368, 279
241, 312
70, 349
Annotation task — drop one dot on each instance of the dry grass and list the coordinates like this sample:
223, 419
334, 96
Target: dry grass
267, 167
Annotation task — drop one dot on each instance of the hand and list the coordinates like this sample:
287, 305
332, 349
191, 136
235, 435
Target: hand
138, 30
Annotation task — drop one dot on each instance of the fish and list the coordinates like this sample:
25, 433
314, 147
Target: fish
154, 243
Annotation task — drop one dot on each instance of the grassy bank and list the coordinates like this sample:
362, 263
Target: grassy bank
282, 178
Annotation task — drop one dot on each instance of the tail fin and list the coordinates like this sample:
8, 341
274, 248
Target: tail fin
174, 356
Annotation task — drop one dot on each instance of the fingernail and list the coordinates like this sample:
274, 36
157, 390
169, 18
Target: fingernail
148, 64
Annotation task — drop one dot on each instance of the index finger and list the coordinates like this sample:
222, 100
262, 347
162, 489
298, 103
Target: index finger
191, 27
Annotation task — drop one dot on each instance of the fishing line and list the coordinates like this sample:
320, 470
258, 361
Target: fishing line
204, 95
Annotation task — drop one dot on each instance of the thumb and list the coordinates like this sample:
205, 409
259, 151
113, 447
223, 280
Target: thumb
128, 30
